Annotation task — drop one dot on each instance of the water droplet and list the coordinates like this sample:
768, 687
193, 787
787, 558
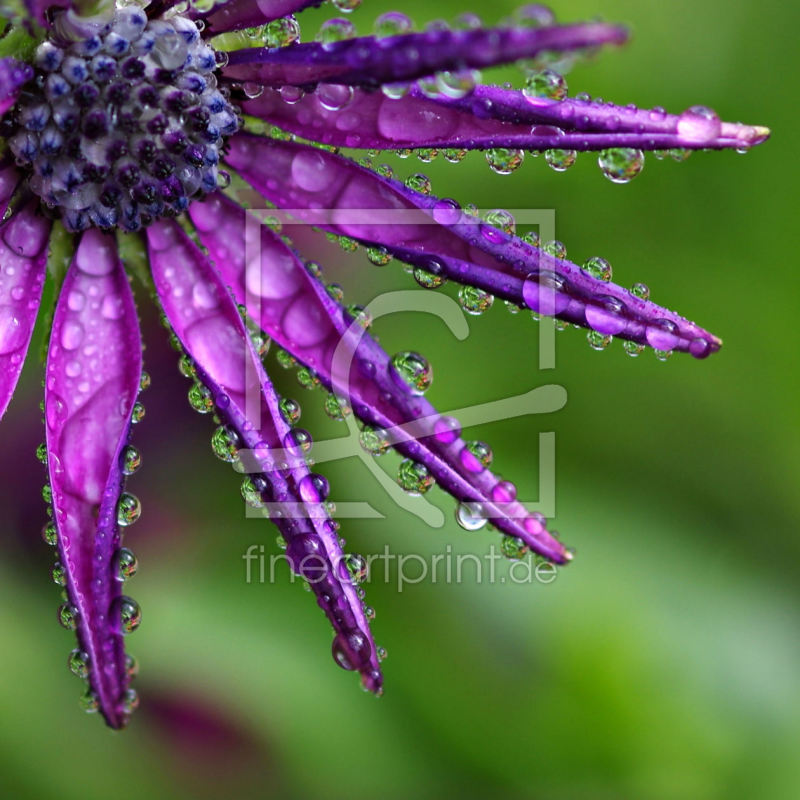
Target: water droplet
513, 548
699, 125
473, 300
129, 509
560, 160
200, 398
127, 564
89, 702
68, 616
641, 290
504, 160
419, 182
335, 30
374, 440
379, 256
78, 663
621, 164
130, 460
597, 340
392, 23
414, 477
58, 574
357, 567
446, 430
128, 613
598, 268
281, 32
470, 516
251, 491
314, 488
298, 441
633, 349
72, 334
476, 456
50, 534
411, 370
545, 86
41, 453
336, 408
137, 415
129, 702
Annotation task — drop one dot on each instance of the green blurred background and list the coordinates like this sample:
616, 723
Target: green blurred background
663, 664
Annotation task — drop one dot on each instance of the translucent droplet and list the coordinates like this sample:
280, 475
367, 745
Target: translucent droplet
68, 616
470, 516
290, 410
597, 340
281, 32
379, 256
427, 280
347, 6
314, 488
78, 663
137, 415
414, 477
633, 349
58, 574
457, 84
446, 430
374, 440
419, 182
47, 493
144, 381
130, 460
560, 160
89, 702
41, 453
357, 566
335, 407
129, 509
476, 456
598, 268
504, 160
412, 370
50, 534
641, 290
131, 667
699, 125
392, 23
251, 491
129, 614
335, 30
555, 248
129, 702
546, 85
298, 441
473, 300
307, 378
621, 164
127, 564
513, 548
200, 398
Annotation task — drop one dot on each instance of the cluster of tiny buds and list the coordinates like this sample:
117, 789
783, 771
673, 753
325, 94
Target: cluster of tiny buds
124, 125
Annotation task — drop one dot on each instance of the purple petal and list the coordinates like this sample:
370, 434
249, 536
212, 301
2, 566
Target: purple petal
37, 9
342, 197
9, 180
490, 117
295, 310
237, 14
23, 262
13, 74
369, 62
208, 325
94, 366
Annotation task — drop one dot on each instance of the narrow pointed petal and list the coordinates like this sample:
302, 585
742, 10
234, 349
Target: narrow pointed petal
23, 262
37, 9
13, 74
295, 310
489, 118
344, 198
237, 14
9, 180
208, 325
94, 368
370, 62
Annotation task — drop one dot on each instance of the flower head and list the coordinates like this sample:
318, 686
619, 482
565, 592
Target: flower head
123, 125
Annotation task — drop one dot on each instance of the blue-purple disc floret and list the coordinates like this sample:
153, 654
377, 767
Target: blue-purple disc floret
123, 126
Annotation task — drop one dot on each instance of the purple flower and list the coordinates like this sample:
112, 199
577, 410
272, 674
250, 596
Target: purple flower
125, 126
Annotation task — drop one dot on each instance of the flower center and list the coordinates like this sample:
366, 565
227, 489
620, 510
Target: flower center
123, 126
